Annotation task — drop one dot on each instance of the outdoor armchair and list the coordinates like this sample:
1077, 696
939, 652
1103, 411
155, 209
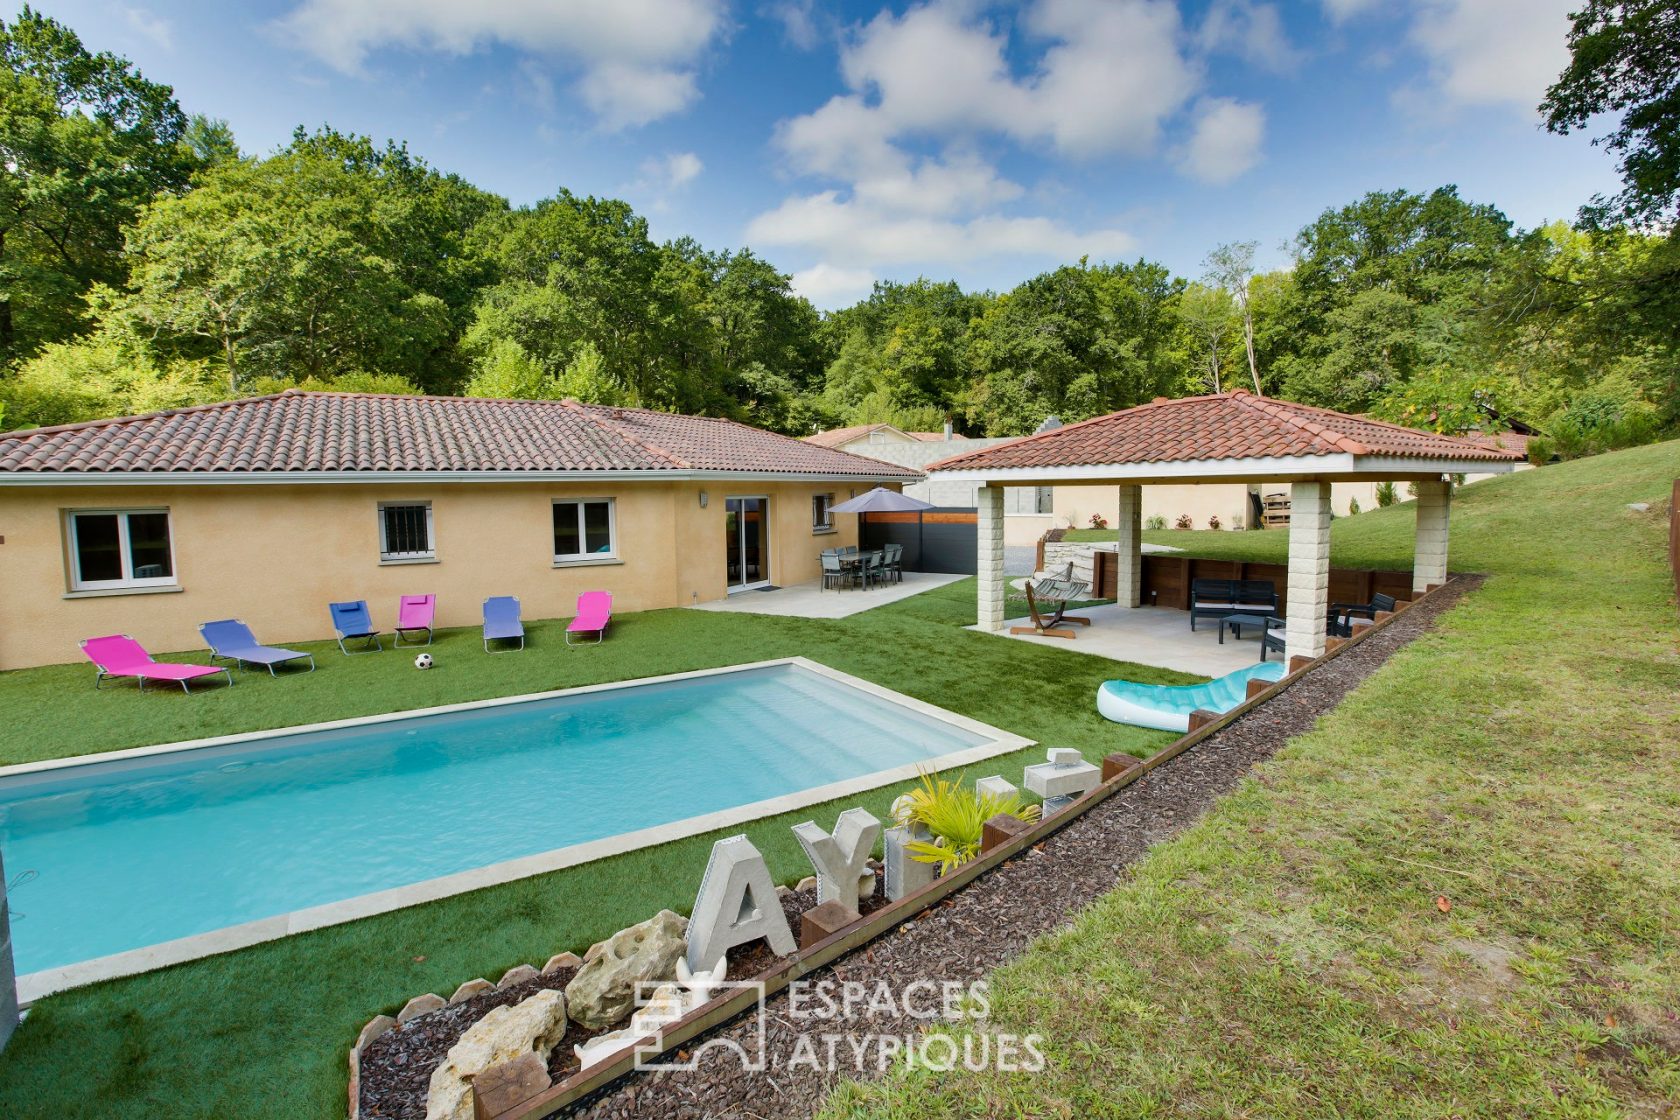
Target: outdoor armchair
351, 622
1340, 622
414, 614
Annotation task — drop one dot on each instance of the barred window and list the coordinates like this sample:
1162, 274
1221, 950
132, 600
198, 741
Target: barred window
405, 531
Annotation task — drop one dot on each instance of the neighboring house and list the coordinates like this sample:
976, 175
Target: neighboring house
1027, 508
267, 509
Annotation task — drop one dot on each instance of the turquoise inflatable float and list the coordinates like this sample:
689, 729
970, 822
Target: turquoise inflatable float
1167, 707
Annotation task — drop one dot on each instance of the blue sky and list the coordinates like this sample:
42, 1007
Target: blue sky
861, 141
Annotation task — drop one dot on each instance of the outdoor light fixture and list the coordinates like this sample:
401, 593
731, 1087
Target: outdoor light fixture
702, 499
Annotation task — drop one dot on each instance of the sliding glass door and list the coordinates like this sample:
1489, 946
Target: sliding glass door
748, 550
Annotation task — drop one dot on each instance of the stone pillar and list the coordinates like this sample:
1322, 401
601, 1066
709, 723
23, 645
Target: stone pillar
8, 975
993, 590
1434, 511
1309, 568
1128, 568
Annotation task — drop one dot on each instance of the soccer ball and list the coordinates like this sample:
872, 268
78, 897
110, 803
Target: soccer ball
424, 661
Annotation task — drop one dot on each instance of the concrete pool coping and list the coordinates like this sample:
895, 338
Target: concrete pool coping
34, 985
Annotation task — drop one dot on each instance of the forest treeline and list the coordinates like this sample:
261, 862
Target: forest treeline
146, 262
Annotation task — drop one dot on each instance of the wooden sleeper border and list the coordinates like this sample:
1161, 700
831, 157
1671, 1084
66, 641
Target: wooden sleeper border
808, 959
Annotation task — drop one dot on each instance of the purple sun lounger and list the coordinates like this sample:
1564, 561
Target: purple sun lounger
231, 640
501, 622
594, 611
414, 614
118, 655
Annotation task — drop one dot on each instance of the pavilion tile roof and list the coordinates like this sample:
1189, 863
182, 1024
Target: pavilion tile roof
1221, 426
307, 432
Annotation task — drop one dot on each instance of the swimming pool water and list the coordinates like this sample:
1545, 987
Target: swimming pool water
134, 852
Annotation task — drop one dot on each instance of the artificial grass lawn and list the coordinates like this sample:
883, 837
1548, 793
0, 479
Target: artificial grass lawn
1288, 956
263, 1032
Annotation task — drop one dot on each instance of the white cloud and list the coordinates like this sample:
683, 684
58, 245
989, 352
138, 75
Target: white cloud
1342, 10
828, 286
1493, 52
1251, 31
1225, 141
149, 26
853, 234
798, 19
672, 171
636, 57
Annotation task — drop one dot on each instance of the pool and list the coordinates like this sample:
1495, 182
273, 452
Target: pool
163, 854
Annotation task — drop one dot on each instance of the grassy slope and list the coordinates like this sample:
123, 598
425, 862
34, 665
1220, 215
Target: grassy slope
1287, 957
262, 1032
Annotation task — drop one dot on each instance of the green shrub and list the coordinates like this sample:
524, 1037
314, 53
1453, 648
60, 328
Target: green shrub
1387, 494
1155, 522
956, 815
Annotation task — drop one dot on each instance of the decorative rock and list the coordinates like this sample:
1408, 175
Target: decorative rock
866, 885
533, 1026
1059, 779
903, 805
1640, 507
997, 786
737, 903
604, 990
594, 951
841, 857
562, 960
783, 890
518, 974
501, 1087
809, 883
904, 874
667, 1004
470, 989
376, 1026
822, 920
418, 1006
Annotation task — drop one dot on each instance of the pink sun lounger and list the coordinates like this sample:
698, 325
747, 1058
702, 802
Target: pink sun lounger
594, 612
118, 655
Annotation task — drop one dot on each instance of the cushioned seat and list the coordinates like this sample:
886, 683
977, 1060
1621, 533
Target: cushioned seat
1167, 707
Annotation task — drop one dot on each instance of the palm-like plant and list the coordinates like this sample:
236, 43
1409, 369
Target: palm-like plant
955, 814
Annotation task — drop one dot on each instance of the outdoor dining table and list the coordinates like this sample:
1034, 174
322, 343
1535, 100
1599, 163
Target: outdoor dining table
856, 559
1060, 592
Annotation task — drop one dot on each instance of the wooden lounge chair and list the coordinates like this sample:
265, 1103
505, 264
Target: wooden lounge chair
1061, 592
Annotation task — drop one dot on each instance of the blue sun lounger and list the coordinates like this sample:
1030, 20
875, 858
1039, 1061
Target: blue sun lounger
501, 622
1167, 707
351, 621
231, 640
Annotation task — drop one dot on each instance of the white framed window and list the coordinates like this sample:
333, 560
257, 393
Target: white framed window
822, 513
585, 529
114, 548
405, 531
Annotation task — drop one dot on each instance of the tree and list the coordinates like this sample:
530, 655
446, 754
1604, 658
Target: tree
1231, 267
1209, 315
1625, 58
331, 256
85, 141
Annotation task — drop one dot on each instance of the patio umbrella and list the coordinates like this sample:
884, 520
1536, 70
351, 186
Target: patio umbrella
882, 500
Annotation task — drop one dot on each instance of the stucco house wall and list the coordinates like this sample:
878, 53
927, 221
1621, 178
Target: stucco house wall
275, 555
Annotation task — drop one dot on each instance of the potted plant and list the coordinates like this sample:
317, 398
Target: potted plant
954, 816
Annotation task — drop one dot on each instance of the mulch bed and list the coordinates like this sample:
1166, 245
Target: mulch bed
397, 1067
960, 940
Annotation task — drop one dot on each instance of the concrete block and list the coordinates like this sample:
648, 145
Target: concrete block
996, 786
1053, 779
1065, 756
842, 857
904, 874
737, 904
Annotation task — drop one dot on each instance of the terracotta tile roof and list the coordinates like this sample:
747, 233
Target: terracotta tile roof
839, 437
1499, 441
1234, 425
319, 432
